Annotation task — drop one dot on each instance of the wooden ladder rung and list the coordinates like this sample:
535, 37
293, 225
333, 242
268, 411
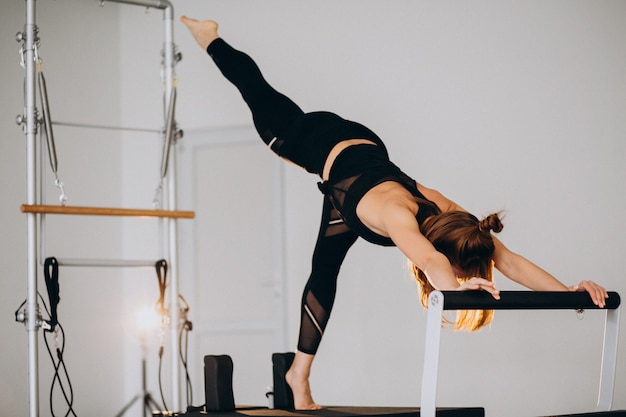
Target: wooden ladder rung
106, 211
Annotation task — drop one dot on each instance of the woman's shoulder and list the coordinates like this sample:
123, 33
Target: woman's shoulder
444, 203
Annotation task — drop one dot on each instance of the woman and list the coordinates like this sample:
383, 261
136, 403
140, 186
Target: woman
368, 196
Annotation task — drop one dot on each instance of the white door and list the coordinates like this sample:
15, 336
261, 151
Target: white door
231, 263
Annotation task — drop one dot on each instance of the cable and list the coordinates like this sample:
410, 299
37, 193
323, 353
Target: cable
57, 364
160, 379
161, 272
51, 275
185, 329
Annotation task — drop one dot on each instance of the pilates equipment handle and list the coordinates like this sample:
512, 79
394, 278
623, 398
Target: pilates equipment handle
47, 122
524, 300
170, 131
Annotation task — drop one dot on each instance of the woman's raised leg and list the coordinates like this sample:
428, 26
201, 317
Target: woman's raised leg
272, 112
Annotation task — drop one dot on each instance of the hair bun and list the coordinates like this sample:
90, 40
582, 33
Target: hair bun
491, 223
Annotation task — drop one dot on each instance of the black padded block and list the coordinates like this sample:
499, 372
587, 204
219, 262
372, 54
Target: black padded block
283, 397
218, 383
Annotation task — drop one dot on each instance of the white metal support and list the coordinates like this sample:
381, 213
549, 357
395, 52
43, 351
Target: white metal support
431, 354
609, 360
516, 300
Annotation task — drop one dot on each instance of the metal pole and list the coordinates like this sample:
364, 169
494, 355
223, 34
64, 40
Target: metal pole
30, 132
169, 62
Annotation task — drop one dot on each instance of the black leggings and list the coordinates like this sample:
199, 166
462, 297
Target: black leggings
304, 139
272, 112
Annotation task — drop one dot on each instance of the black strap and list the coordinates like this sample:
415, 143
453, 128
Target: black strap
324, 187
161, 271
51, 275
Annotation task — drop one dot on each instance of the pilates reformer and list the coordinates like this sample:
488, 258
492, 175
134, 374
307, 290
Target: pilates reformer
31, 121
220, 401
218, 369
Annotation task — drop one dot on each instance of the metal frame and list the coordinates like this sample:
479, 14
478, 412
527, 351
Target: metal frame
29, 120
439, 301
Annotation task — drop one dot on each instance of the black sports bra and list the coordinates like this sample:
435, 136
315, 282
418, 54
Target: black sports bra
356, 171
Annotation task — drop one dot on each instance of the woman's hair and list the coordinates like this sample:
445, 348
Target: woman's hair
468, 245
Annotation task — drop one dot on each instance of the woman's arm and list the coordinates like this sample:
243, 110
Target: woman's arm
521, 270
389, 210
400, 225
516, 267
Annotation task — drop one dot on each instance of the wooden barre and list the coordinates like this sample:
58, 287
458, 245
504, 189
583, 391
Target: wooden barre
106, 211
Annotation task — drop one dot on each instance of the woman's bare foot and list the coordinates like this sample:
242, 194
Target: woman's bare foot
298, 379
204, 32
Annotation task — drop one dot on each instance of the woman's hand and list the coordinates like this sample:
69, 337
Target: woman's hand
597, 293
480, 284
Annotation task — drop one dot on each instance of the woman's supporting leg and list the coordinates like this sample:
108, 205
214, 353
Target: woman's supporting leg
333, 242
298, 379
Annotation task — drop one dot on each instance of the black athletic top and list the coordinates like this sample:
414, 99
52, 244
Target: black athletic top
357, 170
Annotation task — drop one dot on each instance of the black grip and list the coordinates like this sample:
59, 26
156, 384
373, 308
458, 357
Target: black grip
524, 300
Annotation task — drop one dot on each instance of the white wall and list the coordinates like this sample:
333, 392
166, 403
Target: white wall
500, 105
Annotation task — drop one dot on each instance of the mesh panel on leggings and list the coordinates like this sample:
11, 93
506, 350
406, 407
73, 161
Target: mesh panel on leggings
312, 322
339, 190
333, 242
